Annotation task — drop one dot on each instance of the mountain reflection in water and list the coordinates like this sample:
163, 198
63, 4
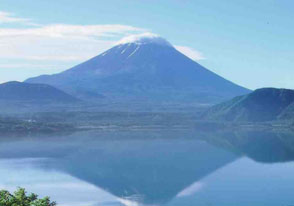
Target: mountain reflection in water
150, 167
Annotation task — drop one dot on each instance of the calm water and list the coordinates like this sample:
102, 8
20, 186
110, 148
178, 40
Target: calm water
175, 168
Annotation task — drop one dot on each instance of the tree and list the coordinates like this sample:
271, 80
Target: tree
20, 198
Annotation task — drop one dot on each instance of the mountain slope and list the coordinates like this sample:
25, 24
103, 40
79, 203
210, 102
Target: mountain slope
265, 104
288, 113
148, 68
35, 93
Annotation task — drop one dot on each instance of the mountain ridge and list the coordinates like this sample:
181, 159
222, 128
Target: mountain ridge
265, 104
15, 91
147, 71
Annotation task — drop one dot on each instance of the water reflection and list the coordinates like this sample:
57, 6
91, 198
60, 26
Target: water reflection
259, 145
161, 167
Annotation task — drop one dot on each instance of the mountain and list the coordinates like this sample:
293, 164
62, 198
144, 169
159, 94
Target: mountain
33, 93
288, 113
145, 67
265, 104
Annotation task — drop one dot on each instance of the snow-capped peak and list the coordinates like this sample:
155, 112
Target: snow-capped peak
144, 38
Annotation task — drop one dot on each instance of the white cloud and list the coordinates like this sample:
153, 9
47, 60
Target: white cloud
6, 17
142, 38
60, 42
190, 52
137, 37
71, 31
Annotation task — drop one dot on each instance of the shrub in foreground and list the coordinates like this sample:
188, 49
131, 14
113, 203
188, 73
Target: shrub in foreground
21, 198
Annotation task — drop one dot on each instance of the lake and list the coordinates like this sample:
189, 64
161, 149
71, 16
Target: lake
153, 167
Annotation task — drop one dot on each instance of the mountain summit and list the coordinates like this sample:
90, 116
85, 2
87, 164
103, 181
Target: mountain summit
146, 38
143, 67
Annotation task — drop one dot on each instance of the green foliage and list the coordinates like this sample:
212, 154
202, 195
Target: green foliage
21, 198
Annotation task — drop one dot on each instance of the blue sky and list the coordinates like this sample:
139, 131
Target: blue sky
248, 42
